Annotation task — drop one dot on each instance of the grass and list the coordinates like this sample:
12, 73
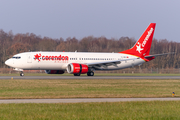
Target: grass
93, 111
13, 89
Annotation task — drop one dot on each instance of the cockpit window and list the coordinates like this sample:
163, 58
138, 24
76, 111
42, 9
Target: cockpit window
17, 57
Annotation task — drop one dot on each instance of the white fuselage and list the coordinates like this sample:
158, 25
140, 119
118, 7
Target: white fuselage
60, 60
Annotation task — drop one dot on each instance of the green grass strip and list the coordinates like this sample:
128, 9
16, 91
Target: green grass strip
167, 110
99, 88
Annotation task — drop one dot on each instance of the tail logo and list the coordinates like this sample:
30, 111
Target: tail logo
138, 48
141, 46
147, 37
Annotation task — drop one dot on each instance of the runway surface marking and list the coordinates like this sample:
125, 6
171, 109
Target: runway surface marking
90, 77
85, 100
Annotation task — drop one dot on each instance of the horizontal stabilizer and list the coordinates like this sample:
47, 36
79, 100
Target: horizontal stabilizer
149, 56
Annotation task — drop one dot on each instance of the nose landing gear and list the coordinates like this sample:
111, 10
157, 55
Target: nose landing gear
21, 74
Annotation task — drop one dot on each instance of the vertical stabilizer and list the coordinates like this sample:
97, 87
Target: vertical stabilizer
143, 45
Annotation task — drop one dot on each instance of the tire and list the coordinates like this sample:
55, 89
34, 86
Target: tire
22, 74
90, 74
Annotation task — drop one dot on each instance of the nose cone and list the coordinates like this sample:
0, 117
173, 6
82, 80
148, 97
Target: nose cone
8, 62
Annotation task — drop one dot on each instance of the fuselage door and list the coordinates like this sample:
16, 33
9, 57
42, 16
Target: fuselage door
29, 58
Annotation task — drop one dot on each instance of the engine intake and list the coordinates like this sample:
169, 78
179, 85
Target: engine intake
75, 68
54, 71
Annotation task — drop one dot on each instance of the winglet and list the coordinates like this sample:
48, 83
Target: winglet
143, 45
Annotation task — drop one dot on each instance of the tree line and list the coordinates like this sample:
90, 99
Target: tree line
11, 44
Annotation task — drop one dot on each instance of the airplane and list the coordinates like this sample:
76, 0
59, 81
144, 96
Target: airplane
78, 63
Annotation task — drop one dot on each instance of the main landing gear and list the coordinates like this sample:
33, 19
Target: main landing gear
91, 73
21, 74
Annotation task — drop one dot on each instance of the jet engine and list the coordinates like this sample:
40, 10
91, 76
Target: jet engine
54, 71
75, 68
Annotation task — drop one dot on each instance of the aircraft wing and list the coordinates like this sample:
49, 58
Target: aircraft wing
150, 56
104, 65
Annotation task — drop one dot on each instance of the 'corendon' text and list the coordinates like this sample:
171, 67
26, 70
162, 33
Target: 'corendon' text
147, 37
57, 58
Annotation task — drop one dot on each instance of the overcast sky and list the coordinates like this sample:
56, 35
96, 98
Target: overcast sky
82, 18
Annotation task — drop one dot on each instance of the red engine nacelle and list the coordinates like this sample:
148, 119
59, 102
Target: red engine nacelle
75, 68
54, 71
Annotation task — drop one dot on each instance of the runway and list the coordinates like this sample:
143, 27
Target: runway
85, 100
89, 77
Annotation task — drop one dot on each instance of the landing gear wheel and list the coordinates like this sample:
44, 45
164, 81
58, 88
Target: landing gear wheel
90, 73
77, 74
22, 74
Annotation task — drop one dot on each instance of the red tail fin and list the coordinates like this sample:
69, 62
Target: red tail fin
143, 45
